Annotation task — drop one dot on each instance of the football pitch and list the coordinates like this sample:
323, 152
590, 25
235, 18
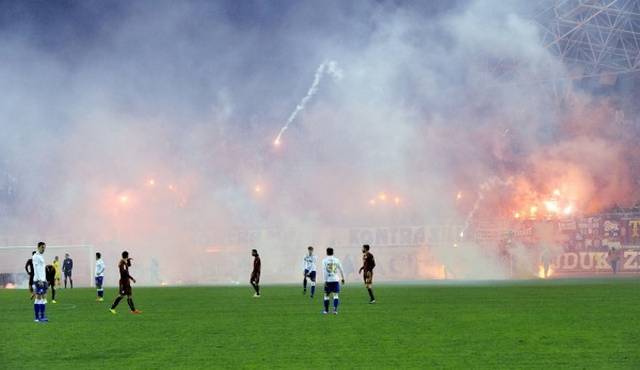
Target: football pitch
584, 324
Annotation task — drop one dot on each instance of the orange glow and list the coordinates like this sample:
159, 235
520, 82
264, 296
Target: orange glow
382, 196
541, 272
459, 195
10, 286
276, 142
539, 201
372, 202
213, 250
257, 189
171, 187
551, 206
396, 200
151, 182
124, 199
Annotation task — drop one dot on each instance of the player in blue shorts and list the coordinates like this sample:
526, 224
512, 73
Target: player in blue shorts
99, 277
40, 283
331, 266
309, 267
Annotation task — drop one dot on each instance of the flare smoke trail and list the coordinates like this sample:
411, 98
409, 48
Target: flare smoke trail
484, 187
329, 67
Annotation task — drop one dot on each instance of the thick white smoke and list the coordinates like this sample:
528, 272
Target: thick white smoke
434, 98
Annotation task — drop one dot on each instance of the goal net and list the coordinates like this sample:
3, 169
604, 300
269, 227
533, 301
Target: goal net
14, 258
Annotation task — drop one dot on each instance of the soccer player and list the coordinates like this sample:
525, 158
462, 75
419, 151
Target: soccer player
331, 266
309, 267
67, 266
56, 265
28, 267
255, 274
125, 284
368, 263
40, 283
50, 273
99, 277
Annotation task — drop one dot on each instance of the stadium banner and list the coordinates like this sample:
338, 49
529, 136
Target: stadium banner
596, 261
340, 236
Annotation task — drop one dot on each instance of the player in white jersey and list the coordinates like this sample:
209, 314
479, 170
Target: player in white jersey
331, 266
39, 283
309, 266
99, 277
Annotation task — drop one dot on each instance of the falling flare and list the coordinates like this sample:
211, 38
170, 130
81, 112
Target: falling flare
329, 67
484, 187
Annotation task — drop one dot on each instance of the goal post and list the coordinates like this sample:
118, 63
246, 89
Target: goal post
14, 258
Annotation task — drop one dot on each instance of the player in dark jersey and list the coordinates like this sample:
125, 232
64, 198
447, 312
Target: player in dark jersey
125, 284
50, 273
28, 267
255, 274
368, 264
67, 267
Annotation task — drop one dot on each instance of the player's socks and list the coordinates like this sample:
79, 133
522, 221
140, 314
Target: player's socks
36, 308
304, 286
326, 304
130, 302
42, 309
372, 298
71, 283
116, 302
313, 289
336, 302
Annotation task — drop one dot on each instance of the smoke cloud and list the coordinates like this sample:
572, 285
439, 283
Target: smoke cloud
148, 126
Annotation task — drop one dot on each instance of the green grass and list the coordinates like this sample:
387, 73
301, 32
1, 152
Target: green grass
544, 324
